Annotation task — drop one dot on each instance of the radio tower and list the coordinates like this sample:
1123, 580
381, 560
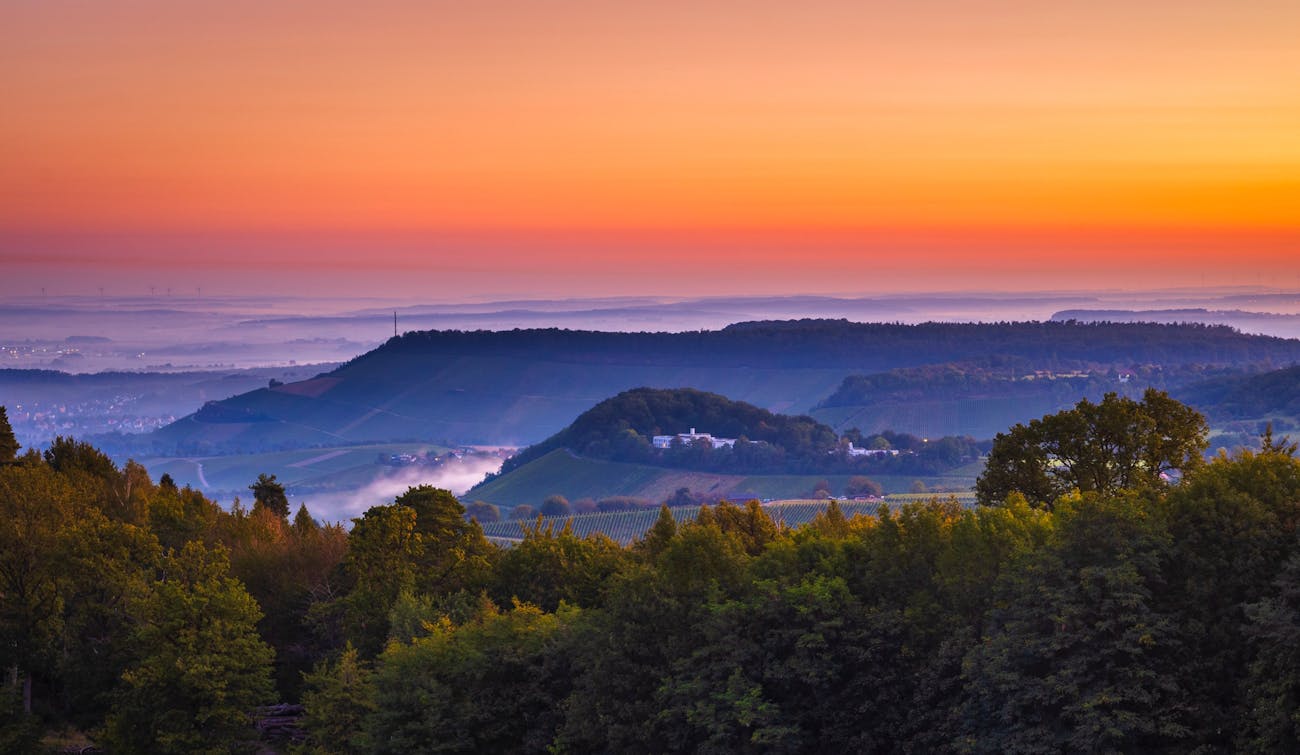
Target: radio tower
394, 323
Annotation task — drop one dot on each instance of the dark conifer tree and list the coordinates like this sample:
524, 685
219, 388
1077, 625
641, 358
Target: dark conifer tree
8, 443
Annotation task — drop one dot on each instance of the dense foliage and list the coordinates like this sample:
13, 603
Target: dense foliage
1117, 444
1247, 396
844, 343
144, 613
1153, 618
1023, 378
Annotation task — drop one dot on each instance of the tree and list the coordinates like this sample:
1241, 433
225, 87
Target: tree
1231, 523
1272, 688
382, 552
8, 443
1079, 654
859, 486
453, 554
269, 494
483, 512
483, 686
681, 497
660, 534
1103, 448
555, 505
201, 666
338, 698
552, 565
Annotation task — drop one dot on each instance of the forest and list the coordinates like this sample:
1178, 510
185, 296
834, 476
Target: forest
1133, 611
621, 429
842, 343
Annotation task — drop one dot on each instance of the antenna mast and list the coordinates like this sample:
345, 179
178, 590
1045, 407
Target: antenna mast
394, 323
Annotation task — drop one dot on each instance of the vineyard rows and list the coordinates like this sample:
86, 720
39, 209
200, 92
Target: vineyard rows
626, 526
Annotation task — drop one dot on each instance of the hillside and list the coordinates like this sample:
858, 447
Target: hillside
1286, 325
1240, 397
622, 428
560, 472
521, 386
985, 397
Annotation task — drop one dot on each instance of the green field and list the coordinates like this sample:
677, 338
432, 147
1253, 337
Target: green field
562, 473
308, 469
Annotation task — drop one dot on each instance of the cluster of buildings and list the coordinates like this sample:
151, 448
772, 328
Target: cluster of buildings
666, 441
855, 451
36, 423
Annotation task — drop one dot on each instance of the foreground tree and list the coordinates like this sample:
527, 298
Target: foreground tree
1118, 444
8, 443
1080, 655
338, 699
200, 666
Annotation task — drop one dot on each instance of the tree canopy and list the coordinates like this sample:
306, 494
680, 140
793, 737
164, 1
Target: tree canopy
1146, 617
1113, 445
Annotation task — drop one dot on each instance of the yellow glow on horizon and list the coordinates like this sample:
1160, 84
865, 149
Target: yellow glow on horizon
852, 118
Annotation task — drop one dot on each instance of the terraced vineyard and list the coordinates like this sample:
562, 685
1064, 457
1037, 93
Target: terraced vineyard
626, 526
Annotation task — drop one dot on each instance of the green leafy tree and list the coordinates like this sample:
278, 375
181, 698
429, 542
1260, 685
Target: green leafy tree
201, 667
484, 686
1230, 528
270, 495
1103, 448
1081, 655
750, 526
551, 565
338, 698
1271, 722
383, 549
660, 533
422, 544
772, 672
452, 552
37, 506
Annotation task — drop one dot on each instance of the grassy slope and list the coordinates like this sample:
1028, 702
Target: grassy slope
516, 388
488, 400
573, 477
319, 468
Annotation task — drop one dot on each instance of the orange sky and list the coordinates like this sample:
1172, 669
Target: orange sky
961, 143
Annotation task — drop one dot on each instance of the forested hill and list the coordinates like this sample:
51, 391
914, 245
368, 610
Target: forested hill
521, 386
621, 429
847, 344
1247, 397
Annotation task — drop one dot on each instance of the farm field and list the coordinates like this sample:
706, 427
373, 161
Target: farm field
562, 473
306, 469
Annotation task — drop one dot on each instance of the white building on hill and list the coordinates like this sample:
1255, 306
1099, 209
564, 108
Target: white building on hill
666, 441
872, 451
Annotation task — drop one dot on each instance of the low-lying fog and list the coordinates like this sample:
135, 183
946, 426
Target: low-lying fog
344, 506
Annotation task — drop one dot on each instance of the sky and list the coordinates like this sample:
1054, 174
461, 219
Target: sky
453, 150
